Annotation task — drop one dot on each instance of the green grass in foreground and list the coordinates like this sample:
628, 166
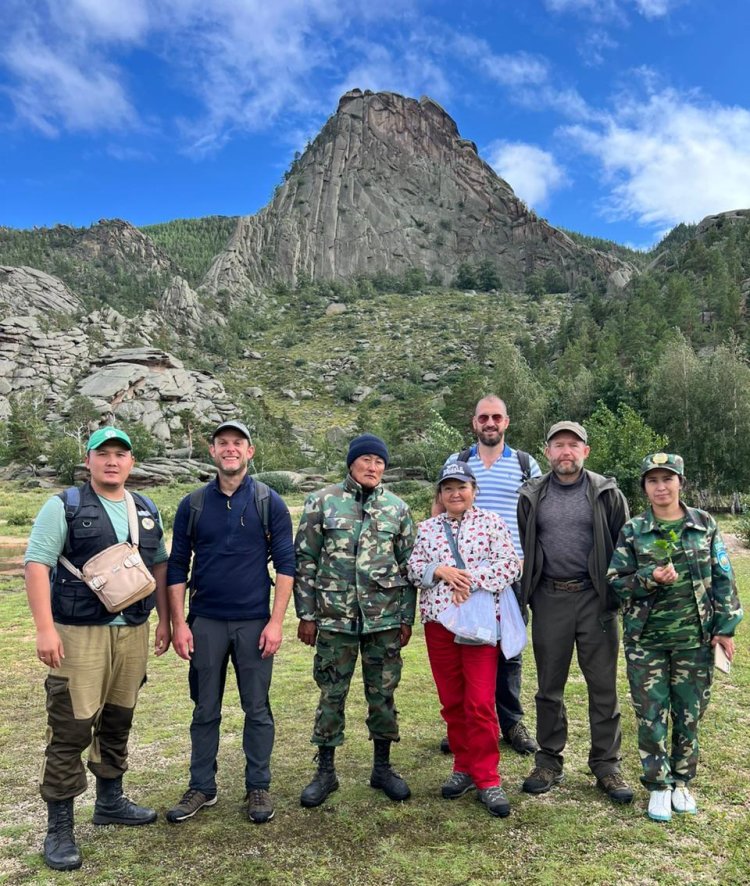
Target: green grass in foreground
573, 835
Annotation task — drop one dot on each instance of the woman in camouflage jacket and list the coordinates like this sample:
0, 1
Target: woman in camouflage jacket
671, 572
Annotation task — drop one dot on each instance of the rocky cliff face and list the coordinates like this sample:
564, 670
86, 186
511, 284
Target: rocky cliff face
388, 185
28, 291
141, 383
121, 245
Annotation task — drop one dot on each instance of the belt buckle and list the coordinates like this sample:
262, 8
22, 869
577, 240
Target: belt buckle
568, 586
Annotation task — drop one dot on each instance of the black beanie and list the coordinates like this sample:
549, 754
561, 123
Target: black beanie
366, 444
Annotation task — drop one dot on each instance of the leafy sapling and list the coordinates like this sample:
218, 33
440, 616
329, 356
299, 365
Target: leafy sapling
667, 546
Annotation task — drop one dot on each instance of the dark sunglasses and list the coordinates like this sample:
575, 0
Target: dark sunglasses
496, 418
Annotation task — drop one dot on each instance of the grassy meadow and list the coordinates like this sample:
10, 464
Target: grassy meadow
573, 835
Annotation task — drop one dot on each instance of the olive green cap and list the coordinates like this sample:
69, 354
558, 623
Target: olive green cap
667, 460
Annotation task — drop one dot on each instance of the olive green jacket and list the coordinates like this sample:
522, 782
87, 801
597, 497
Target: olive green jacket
632, 565
352, 552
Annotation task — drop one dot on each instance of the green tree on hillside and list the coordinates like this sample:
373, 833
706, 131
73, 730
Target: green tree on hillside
26, 429
619, 441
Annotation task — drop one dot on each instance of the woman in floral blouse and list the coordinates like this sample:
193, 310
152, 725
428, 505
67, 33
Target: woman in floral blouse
464, 671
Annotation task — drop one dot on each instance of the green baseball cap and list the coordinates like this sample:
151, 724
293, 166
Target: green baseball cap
105, 435
667, 460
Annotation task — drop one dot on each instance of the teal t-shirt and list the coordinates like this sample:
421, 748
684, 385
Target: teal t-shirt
674, 622
50, 529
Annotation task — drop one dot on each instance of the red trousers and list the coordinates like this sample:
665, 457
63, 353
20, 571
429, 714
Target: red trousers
465, 678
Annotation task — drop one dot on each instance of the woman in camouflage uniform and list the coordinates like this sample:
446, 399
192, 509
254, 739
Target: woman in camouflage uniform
672, 575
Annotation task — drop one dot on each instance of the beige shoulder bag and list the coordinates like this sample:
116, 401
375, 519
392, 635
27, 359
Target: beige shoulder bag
117, 575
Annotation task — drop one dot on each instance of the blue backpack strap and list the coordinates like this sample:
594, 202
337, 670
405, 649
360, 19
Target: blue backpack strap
71, 499
147, 503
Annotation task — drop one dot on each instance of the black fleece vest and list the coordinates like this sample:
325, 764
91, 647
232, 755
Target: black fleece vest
90, 531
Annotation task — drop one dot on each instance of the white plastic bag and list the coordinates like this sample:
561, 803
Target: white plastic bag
474, 619
512, 628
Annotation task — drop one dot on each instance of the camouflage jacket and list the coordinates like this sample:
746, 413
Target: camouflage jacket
632, 565
352, 553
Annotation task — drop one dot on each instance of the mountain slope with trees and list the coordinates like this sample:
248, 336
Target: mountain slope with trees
660, 359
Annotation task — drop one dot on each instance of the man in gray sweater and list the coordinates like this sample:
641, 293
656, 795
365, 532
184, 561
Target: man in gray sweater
569, 521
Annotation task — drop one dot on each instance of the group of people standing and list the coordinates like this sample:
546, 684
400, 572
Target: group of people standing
560, 541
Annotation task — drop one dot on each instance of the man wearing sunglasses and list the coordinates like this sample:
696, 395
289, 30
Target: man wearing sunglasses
500, 471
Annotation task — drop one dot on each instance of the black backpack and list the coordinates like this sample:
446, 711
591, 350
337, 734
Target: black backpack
262, 497
524, 460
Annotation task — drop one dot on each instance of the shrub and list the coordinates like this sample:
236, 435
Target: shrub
167, 512
346, 385
743, 529
64, 457
420, 502
402, 488
20, 518
278, 482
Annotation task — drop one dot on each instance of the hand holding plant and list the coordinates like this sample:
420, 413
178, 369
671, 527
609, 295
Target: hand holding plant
667, 546
664, 572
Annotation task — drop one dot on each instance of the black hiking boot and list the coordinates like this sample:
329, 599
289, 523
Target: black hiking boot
324, 781
383, 776
60, 850
113, 807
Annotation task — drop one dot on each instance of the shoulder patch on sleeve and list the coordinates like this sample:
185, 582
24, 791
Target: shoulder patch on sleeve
722, 559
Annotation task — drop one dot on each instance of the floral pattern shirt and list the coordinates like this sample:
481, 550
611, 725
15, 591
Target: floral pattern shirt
486, 546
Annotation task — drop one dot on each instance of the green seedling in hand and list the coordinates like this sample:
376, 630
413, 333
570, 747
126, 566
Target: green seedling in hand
667, 546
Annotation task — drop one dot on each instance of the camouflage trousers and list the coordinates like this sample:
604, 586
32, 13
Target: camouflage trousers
668, 684
335, 659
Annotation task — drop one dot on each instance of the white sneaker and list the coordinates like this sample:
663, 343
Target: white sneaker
683, 800
660, 805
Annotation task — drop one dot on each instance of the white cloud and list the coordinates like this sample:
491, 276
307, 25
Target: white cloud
655, 8
671, 158
598, 10
118, 20
128, 154
605, 10
594, 46
55, 92
380, 68
532, 172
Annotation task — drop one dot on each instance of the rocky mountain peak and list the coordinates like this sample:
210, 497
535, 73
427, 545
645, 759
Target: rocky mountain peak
122, 243
389, 184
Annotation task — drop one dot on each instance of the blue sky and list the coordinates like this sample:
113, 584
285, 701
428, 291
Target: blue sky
616, 118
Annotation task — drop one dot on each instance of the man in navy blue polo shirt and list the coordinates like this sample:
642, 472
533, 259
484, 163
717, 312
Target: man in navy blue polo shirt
230, 615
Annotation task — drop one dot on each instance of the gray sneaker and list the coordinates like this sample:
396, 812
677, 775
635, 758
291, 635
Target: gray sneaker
495, 801
190, 803
259, 806
457, 785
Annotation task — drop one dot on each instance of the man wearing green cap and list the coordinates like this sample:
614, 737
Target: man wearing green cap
96, 659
